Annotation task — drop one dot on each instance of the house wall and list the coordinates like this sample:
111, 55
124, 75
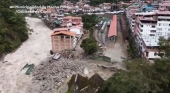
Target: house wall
60, 43
72, 19
162, 28
151, 55
146, 29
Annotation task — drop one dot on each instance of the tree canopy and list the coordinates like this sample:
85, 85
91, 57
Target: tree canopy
164, 46
89, 21
13, 28
89, 45
141, 76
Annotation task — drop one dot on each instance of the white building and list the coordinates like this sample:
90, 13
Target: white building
149, 27
78, 30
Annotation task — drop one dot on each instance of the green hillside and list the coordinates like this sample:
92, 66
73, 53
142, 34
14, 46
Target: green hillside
13, 30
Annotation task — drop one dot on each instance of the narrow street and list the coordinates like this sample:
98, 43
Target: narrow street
102, 37
117, 50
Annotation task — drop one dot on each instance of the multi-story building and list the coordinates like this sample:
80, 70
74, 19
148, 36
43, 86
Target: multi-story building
63, 39
67, 37
69, 21
78, 30
164, 6
130, 14
150, 26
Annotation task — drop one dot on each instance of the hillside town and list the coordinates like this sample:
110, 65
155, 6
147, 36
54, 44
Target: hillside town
76, 47
146, 20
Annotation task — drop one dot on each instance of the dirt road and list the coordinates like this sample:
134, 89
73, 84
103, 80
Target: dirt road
118, 49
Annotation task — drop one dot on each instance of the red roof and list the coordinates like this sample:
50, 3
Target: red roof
113, 27
63, 32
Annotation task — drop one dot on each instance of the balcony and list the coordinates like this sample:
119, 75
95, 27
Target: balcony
153, 31
163, 17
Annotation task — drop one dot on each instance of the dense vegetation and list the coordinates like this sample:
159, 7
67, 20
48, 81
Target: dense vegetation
97, 2
73, 1
131, 49
142, 77
89, 22
89, 45
13, 30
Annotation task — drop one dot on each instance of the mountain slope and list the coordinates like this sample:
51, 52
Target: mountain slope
13, 30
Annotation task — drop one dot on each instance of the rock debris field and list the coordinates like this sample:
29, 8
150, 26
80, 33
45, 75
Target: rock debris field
49, 75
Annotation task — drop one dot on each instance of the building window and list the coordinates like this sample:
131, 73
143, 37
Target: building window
159, 24
159, 33
155, 54
152, 34
153, 31
153, 26
67, 36
159, 29
62, 36
141, 25
169, 34
141, 30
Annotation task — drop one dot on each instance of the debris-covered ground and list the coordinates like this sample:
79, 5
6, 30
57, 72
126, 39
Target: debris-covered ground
51, 74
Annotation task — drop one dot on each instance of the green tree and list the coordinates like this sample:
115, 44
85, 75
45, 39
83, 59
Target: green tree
124, 6
164, 46
89, 45
140, 77
132, 50
162, 74
89, 21
136, 79
13, 30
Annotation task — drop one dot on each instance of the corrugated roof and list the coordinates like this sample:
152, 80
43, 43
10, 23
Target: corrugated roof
64, 32
60, 29
113, 27
71, 17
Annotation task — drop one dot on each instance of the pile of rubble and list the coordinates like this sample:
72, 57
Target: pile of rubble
49, 75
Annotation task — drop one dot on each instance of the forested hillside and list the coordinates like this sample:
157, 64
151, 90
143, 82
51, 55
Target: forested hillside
13, 30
